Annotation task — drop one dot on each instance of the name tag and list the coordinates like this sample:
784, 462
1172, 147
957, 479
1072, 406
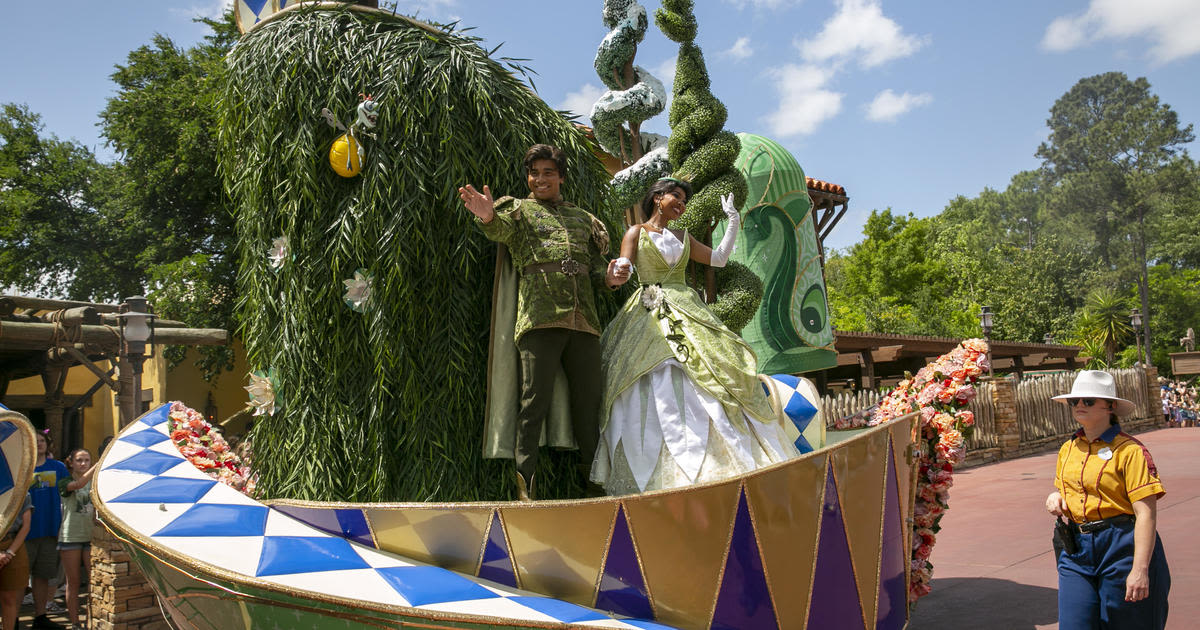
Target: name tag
1105, 453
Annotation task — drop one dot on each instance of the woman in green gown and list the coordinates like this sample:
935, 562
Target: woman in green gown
682, 399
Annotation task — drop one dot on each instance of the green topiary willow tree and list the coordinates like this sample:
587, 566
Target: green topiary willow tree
384, 401
703, 152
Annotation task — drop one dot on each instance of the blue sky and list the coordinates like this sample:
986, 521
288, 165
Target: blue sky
906, 104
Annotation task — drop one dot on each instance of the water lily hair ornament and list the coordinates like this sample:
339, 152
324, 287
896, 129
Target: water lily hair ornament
1097, 384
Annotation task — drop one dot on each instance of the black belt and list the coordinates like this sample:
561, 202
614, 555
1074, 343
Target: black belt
1091, 527
565, 266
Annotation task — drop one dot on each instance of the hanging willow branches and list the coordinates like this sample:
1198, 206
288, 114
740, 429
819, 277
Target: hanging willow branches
386, 403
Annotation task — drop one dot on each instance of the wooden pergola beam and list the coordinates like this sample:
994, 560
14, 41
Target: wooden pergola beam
108, 336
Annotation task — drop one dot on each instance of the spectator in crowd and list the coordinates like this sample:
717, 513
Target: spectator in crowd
1180, 403
14, 566
75, 537
42, 541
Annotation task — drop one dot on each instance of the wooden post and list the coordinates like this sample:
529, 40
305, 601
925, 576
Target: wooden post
125, 397
867, 382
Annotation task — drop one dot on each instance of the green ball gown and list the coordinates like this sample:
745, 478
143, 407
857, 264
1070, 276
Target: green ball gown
683, 403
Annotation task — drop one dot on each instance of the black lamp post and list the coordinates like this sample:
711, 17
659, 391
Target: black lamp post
137, 332
985, 322
1135, 319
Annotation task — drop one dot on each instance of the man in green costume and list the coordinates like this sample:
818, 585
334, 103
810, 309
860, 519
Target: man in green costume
560, 253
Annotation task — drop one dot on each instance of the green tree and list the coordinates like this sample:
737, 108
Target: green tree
55, 239
891, 282
1175, 294
163, 124
1111, 143
1104, 322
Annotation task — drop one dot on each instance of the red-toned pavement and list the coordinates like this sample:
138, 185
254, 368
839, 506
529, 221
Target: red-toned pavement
993, 564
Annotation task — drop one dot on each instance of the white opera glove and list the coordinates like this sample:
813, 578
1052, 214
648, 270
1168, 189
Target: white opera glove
722, 252
624, 265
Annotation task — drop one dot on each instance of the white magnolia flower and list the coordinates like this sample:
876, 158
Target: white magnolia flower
652, 296
262, 395
279, 251
358, 290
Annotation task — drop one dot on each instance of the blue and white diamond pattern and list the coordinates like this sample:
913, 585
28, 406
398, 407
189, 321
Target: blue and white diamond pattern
251, 12
147, 484
801, 404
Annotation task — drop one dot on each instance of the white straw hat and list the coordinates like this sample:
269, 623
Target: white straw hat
1097, 384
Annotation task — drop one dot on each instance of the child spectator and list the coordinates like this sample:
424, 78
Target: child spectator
42, 542
74, 540
14, 566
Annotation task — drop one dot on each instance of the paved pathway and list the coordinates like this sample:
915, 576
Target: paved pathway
993, 564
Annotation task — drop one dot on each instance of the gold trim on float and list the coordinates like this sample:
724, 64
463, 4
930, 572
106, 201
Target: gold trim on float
338, 6
612, 531
633, 538
859, 469
712, 611
559, 550
758, 548
787, 528
445, 538
22, 473
690, 530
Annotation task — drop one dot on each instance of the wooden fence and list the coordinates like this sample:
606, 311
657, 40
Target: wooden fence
984, 435
848, 404
1040, 417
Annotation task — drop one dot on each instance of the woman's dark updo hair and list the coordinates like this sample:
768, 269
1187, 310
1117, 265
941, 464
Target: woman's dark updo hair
662, 187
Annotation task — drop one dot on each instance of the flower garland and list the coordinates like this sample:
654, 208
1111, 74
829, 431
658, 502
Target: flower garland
941, 392
206, 449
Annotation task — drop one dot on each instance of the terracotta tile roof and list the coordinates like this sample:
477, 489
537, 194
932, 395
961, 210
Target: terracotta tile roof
816, 184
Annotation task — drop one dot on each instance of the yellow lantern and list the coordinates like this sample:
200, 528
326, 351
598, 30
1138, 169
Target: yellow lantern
343, 156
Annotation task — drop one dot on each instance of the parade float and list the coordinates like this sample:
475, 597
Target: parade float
366, 296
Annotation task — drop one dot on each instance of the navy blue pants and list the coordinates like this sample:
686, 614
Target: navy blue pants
1091, 584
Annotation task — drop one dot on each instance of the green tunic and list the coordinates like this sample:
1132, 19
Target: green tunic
538, 232
533, 233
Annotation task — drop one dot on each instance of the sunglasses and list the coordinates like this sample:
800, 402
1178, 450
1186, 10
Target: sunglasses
1087, 402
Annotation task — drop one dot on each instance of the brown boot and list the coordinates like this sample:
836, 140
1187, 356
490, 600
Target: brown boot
524, 489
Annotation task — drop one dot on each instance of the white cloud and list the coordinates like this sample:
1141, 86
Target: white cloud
741, 49
1170, 27
763, 4
665, 72
212, 9
804, 103
860, 29
580, 102
888, 106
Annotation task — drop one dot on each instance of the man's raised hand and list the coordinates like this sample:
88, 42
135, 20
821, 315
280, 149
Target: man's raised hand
479, 203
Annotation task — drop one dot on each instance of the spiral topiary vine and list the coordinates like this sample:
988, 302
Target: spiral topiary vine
634, 96
699, 148
704, 153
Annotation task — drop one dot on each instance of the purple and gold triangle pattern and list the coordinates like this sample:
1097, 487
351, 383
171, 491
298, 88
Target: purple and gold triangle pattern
744, 601
622, 585
496, 564
891, 612
834, 604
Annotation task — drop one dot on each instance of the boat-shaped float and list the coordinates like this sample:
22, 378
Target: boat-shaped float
819, 541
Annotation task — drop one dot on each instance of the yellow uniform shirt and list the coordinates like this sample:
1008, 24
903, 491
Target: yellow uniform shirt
1103, 478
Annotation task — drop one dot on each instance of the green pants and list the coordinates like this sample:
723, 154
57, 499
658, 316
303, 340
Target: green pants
542, 351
